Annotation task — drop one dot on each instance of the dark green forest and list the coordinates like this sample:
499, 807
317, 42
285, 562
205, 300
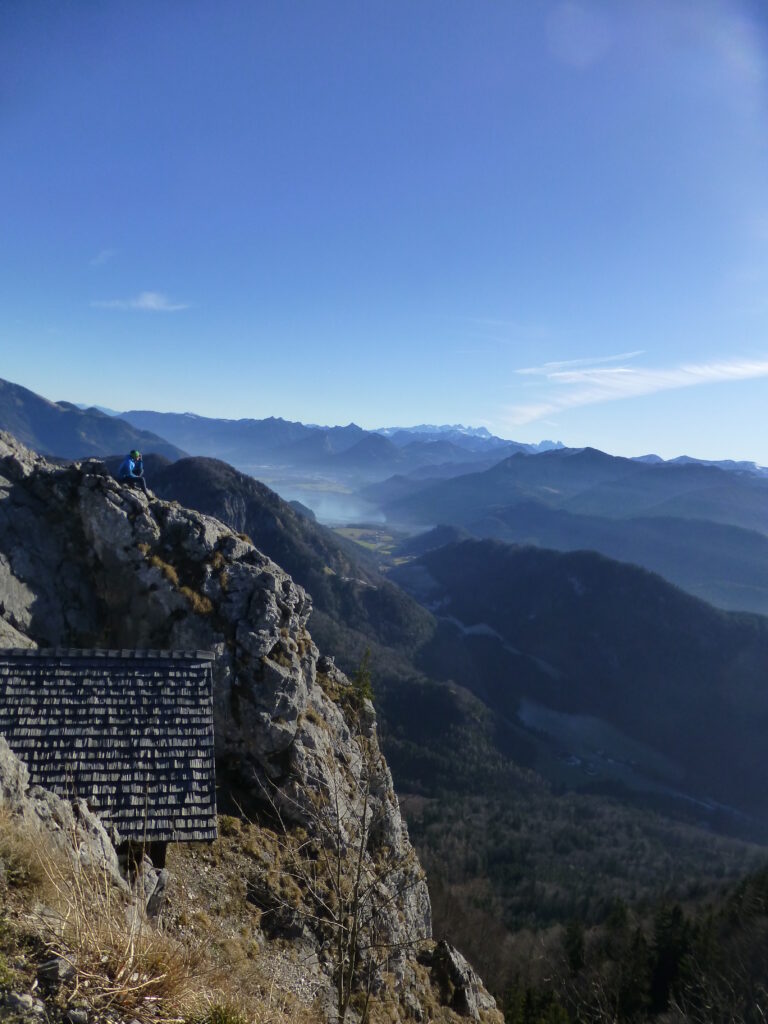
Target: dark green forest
701, 966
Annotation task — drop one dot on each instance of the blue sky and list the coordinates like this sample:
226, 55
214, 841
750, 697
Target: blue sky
550, 218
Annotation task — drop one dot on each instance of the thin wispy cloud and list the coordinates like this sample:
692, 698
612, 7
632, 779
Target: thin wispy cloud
547, 369
148, 302
591, 385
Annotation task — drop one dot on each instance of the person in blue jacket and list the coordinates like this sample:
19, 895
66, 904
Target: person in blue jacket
132, 470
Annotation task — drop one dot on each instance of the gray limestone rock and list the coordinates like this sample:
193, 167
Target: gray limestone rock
14, 779
54, 972
460, 986
159, 896
74, 828
20, 1008
11, 637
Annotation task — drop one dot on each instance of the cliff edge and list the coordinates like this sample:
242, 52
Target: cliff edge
88, 562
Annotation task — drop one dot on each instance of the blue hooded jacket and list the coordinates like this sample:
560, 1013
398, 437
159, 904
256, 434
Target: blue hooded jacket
130, 467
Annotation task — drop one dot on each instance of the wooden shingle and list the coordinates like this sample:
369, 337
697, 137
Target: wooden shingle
130, 731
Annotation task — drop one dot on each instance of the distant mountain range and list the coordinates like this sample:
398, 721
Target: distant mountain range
702, 525
347, 453
589, 482
64, 430
731, 465
468, 438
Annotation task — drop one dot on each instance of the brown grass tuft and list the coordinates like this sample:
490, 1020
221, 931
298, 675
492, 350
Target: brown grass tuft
19, 855
199, 603
167, 570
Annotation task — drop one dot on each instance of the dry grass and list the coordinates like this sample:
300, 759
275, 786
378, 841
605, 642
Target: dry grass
199, 603
19, 855
122, 962
167, 570
314, 716
119, 958
279, 655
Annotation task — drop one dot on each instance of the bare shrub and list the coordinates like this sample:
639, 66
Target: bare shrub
348, 886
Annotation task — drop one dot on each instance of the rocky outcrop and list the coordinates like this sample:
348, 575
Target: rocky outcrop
86, 562
460, 987
71, 825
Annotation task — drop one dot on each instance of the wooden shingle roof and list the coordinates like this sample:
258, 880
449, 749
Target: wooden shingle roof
131, 731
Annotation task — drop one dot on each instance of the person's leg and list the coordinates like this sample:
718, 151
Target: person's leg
142, 483
134, 482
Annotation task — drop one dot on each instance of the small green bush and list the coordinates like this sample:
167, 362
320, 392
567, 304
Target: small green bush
361, 680
7, 975
229, 825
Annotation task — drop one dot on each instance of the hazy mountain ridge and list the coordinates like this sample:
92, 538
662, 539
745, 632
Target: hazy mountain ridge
288, 443
581, 480
232, 440
722, 564
701, 526
64, 430
589, 481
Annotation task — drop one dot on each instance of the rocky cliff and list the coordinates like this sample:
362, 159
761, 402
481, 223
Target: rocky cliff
87, 562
